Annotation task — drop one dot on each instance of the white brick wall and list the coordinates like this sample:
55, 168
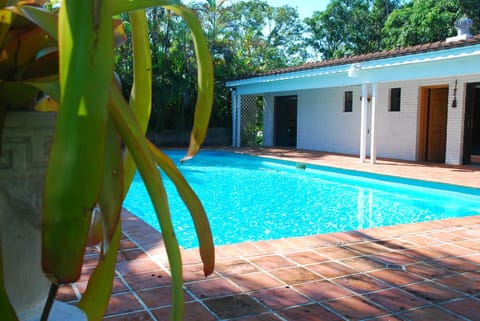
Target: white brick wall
396, 132
268, 117
322, 124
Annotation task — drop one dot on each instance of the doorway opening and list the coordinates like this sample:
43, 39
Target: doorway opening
471, 137
433, 124
286, 121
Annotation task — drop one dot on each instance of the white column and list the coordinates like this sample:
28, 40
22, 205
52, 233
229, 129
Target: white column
268, 102
373, 143
363, 124
238, 125
234, 118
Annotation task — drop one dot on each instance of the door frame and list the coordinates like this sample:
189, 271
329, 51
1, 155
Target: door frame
468, 122
285, 130
423, 120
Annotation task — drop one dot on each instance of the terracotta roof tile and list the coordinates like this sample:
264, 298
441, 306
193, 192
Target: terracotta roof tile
398, 52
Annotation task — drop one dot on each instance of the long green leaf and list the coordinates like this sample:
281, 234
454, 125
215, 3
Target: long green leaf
122, 6
205, 67
94, 301
75, 164
48, 85
6, 21
7, 311
133, 137
200, 219
44, 65
31, 43
141, 94
112, 191
43, 18
205, 82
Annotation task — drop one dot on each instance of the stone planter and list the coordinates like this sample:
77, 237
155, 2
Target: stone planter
24, 153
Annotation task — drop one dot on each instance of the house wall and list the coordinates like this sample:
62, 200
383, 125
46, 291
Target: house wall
268, 117
324, 126
456, 120
322, 123
396, 132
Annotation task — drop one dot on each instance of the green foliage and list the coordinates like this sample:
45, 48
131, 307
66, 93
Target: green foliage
173, 69
249, 37
423, 21
349, 27
87, 167
244, 37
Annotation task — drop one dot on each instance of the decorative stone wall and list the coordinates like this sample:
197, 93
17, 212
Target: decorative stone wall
25, 145
26, 138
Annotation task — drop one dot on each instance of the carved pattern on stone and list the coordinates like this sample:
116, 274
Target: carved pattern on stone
25, 149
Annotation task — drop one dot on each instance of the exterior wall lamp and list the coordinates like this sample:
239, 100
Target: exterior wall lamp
354, 70
454, 101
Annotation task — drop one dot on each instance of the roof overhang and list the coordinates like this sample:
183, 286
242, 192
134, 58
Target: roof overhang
437, 64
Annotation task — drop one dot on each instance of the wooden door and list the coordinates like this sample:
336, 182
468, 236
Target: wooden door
437, 124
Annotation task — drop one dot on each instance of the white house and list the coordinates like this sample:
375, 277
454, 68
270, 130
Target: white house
419, 103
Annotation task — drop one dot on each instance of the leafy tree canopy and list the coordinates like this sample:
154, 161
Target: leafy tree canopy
251, 36
423, 21
349, 26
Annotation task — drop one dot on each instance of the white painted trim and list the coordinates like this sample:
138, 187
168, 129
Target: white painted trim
443, 63
363, 124
239, 121
234, 118
373, 143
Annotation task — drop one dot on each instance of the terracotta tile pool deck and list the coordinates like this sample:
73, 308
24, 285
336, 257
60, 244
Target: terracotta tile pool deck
423, 271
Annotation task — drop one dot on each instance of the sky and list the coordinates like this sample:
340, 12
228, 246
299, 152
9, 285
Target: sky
305, 7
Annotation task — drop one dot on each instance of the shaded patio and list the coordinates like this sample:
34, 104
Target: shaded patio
422, 271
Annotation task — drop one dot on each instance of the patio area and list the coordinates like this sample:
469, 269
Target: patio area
423, 271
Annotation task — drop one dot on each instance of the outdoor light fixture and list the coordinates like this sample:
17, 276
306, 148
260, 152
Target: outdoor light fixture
354, 70
369, 98
454, 101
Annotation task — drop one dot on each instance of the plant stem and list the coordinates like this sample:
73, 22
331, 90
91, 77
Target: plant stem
48, 305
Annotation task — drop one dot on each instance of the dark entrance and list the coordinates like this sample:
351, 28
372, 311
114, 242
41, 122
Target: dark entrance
286, 121
471, 139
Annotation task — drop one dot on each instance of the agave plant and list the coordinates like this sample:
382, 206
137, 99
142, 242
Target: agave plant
69, 57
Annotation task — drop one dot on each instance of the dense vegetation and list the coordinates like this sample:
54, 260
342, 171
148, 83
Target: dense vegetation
247, 37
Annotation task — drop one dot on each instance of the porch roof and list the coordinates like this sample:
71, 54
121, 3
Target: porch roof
431, 60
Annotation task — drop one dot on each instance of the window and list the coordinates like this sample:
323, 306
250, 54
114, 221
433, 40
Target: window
348, 102
395, 95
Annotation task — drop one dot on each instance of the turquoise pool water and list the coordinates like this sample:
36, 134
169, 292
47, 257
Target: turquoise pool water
249, 198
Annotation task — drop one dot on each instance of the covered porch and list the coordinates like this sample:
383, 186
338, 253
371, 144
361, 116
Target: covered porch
372, 129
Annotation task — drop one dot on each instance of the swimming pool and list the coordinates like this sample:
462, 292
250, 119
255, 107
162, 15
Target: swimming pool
250, 198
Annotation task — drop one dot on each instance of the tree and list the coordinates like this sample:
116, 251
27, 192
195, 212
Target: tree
244, 37
248, 37
284, 36
349, 27
214, 15
379, 14
423, 21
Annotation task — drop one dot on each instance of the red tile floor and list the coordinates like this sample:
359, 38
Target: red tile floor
424, 271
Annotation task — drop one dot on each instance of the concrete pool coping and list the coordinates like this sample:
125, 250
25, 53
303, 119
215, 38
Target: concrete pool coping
417, 271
